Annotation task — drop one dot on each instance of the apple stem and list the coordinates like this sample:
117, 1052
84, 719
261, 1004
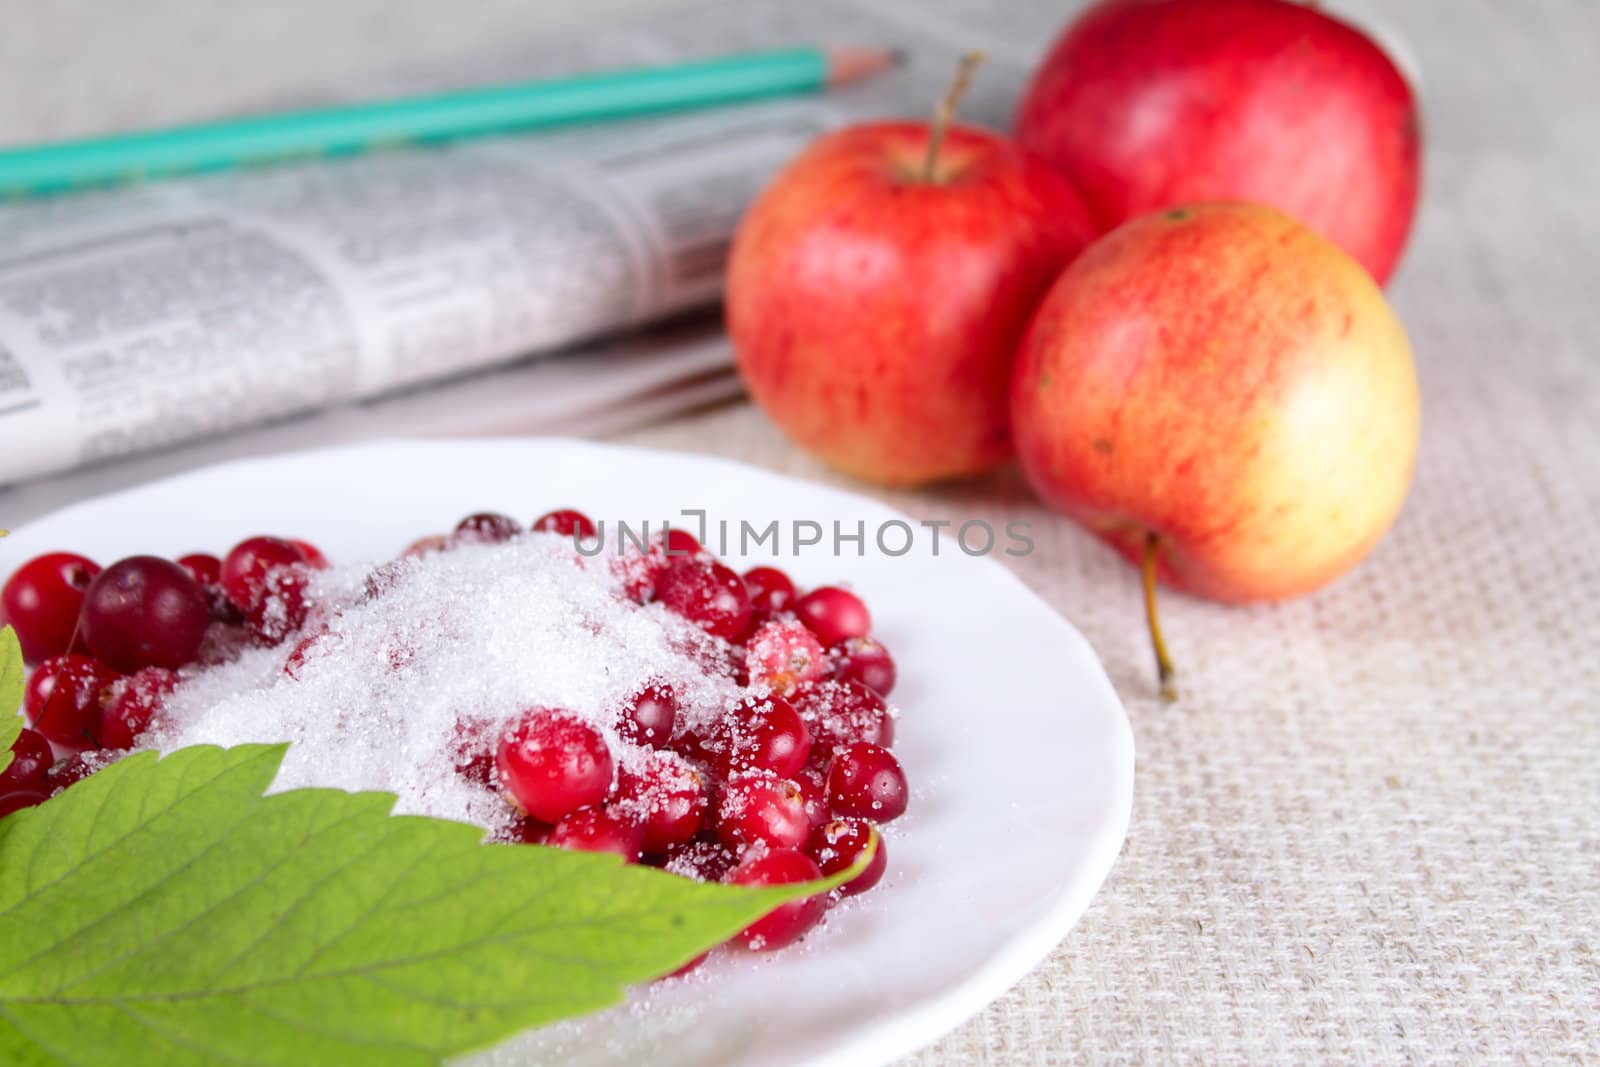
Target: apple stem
1165, 672
945, 112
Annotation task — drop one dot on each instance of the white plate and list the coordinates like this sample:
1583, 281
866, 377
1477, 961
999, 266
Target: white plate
1017, 749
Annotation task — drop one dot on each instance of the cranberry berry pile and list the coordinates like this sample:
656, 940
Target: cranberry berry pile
647, 701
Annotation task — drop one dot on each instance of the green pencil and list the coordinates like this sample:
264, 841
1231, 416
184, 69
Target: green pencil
363, 127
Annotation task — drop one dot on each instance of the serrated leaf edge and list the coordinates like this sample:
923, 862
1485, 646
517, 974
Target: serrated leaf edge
126, 1005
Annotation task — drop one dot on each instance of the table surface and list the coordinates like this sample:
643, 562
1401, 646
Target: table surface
1369, 830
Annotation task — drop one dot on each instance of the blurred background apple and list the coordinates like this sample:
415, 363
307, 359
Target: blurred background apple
1150, 103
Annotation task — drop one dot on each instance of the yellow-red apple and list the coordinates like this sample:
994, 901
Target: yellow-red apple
878, 289
1224, 390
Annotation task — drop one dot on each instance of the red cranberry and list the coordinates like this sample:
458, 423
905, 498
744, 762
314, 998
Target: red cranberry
30, 763
667, 796
834, 614
399, 651
813, 783
426, 546
866, 782
265, 578
648, 716
130, 703
692, 746
524, 831
842, 713
552, 764
486, 528
20, 799
788, 922
247, 565
761, 807
637, 571
203, 567
708, 594
74, 769
206, 570
691, 965
599, 830
144, 612
313, 555
63, 699
284, 609
224, 643
310, 648
472, 745
41, 601
706, 746
702, 860
566, 522
679, 544
765, 734
382, 578
728, 661
771, 590
836, 845
864, 660
781, 655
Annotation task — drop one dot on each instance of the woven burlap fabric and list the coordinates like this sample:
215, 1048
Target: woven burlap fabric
1368, 832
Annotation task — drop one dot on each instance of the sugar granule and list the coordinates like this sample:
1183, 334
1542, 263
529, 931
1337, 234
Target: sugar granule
398, 658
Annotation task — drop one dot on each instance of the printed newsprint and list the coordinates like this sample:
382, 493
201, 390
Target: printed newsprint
142, 317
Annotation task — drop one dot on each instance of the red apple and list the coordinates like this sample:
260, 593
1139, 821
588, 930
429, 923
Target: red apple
1160, 102
1222, 395
875, 302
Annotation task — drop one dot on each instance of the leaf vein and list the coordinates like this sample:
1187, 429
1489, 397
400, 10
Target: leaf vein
300, 1024
369, 971
303, 897
322, 930
377, 906
124, 905
34, 1038
206, 1055
451, 1005
90, 856
198, 916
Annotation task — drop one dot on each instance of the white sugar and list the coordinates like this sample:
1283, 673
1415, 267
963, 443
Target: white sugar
478, 634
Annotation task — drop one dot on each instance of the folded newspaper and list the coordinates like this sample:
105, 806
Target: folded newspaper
139, 318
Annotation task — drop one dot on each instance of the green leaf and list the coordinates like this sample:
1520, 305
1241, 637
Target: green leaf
166, 912
11, 676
